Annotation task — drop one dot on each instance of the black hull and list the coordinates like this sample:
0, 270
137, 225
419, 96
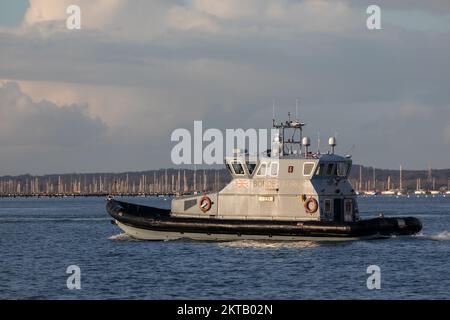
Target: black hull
155, 219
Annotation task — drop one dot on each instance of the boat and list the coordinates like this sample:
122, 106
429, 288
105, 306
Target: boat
287, 193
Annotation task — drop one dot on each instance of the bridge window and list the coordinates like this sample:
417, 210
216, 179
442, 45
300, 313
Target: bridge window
330, 167
238, 168
308, 168
342, 169
251, 167
338, 169
320, 169
262, 169
274, 169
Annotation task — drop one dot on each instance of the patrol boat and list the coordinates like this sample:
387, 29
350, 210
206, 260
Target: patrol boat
287, 193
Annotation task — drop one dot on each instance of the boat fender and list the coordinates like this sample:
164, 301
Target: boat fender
311, 205
205, 204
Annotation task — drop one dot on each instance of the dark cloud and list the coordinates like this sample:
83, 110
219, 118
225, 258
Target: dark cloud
24, 122
29, 129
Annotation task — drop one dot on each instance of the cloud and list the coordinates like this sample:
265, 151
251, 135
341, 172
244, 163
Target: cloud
95, 13
126, 20
140, 20
144, 20
147, 67
24, 122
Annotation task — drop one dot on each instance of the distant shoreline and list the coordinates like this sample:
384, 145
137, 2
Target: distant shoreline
188, 181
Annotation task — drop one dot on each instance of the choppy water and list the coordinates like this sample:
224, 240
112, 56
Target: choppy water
39, 238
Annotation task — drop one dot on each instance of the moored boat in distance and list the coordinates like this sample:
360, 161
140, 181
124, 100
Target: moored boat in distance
287, 193
420, 192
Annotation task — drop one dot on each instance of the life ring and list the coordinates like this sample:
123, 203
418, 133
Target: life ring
205, 204
311, 205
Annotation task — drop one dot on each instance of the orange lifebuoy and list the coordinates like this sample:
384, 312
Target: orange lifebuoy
205, 204
311, 205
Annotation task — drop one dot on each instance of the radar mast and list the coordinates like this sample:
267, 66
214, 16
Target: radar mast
291, 134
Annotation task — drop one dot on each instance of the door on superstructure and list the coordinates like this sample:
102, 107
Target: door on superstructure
348, 210
338, 210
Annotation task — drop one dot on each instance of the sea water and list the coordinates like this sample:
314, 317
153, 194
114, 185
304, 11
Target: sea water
41, 238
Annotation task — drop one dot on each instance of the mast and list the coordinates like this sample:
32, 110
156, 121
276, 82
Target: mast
195, 178
360, 178
294, 126
430, 175
374, 181
185, 186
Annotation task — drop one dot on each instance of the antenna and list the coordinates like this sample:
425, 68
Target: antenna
273, 106
350, 150
318, 142
273, 113
296, 109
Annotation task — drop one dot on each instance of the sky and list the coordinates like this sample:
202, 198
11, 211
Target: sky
107, 97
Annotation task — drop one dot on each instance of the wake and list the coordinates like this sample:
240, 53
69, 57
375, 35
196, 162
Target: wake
442, 236
123, 237
269, 244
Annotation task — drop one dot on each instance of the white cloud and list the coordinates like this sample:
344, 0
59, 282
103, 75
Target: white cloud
95, 14
131, 20
139, 20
